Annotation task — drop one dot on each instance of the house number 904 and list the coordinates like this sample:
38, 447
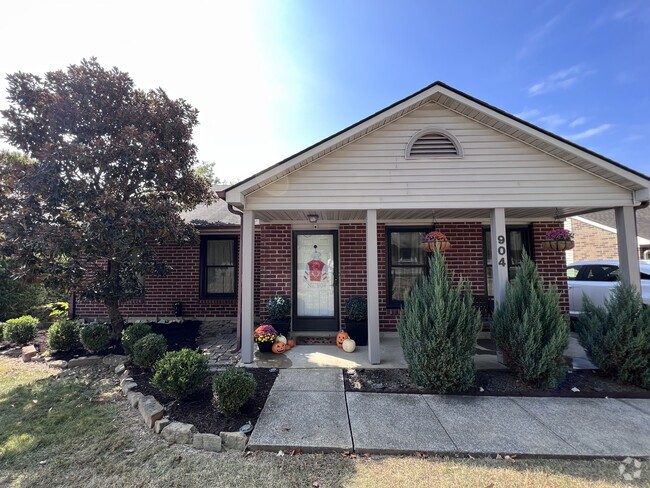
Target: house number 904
501, 250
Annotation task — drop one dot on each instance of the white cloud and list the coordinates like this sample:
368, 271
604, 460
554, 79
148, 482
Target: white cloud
577, 122
528, 114
552, 121
594, 131
559, 80
634, 138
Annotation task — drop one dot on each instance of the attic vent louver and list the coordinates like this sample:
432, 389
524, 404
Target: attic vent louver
433, 143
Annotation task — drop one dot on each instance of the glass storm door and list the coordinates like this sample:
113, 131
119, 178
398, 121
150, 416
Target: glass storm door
315, 281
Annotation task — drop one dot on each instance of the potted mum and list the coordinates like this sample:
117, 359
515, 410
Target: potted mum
265, 336
279, 310
435, 240
357, 324
558, 240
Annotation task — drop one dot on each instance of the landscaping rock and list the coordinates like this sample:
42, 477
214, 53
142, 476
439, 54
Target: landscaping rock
207, 442
57, 363
113, 360
120, 368
127, 385
161, 424
179, 433
125, 374
234, 440
84, 361
28, 352
150, 410
134, 397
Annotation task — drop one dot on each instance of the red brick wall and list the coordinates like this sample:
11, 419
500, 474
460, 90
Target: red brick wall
551, 264
352, 264
275, 264
593, 243
181, 284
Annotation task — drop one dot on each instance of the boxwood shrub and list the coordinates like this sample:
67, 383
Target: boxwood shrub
21, 330
132, 334
63, 335
232, 389
180, 373
94, 337
149, 349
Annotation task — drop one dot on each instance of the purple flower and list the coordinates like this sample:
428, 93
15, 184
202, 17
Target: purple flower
559, 235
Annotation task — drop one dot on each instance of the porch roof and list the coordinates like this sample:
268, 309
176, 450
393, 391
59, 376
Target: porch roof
467, 106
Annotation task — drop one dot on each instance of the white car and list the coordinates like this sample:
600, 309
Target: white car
596, 280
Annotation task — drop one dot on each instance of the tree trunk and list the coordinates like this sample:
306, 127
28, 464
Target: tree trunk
115, 318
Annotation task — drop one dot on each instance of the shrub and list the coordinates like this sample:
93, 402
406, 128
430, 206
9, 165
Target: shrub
617, 337
531, 330
278, 307
357, 309
132, 334
16, 295
438, 330
51, 312
21, 330
63, 335
180, 373
149, 349
94, 337
232, 389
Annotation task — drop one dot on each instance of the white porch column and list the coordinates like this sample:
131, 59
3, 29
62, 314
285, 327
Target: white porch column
373, 287
499, 255
247, 283
628, 253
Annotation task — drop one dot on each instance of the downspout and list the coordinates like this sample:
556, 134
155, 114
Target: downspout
641, 206
233, 210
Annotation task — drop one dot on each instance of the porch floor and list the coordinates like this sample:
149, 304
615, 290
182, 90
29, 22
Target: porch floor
392, 357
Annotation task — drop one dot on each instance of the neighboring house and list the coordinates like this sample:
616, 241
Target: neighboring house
345, 217
595, 235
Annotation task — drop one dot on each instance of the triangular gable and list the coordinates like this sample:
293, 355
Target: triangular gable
466, 106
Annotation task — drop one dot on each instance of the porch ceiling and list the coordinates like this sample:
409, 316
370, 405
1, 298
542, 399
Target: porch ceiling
417, 214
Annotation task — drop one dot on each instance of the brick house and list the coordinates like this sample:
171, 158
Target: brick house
595, 235
346, 217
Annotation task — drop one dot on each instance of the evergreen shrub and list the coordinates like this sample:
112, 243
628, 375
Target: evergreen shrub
438, 330
94, 337
63, 335
232, 389
132, 334
149, 349
21, 330
531, 330
180, 373
617, 337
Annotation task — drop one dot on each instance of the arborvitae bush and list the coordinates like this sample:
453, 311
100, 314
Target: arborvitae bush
232, 389
95, 337
530, 328
438, 329
180, 373
132, 334
617, 337
149, 349
21, 330
63, 335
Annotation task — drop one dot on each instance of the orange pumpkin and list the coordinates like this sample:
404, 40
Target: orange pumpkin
340, 337
291, 343
278, 347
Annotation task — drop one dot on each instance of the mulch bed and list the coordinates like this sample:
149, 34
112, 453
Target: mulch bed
198, 408
592, 384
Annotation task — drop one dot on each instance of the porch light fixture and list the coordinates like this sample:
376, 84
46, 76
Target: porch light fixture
313, 218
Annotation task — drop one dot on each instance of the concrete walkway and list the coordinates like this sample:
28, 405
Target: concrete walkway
308, 408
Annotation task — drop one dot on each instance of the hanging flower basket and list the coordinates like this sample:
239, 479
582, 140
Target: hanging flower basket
558, 240
435, 240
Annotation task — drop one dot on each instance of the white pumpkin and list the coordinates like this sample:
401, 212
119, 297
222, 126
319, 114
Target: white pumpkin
281, 338
349, 345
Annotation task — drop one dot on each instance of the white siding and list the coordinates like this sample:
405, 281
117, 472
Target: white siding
496, 171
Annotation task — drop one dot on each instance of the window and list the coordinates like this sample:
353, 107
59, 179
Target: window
218, 266
407, 262
517, 240
572, 272
433, 143
600, 272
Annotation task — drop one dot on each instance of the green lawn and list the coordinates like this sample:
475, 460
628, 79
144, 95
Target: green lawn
80, 432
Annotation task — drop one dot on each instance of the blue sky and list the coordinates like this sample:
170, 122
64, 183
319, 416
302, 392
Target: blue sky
271, 77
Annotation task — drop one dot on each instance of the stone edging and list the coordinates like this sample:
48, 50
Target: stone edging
154, 418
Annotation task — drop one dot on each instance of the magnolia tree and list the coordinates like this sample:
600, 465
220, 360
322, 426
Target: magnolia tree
109, 168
